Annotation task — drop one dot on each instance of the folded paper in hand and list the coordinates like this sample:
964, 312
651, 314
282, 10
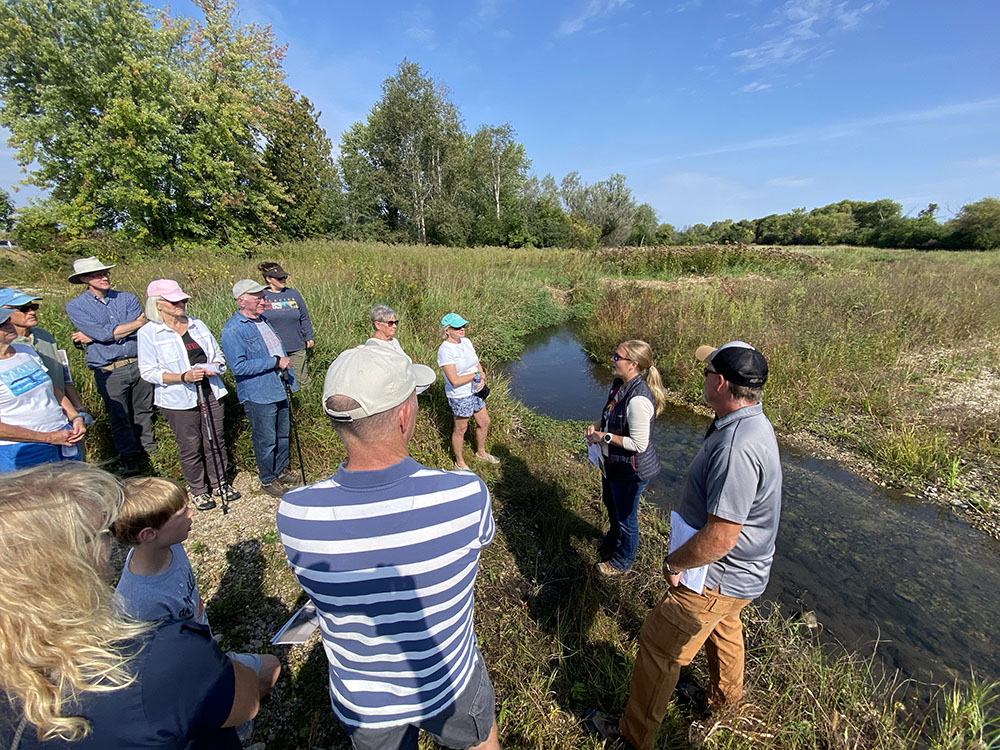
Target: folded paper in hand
680, 532
594, 454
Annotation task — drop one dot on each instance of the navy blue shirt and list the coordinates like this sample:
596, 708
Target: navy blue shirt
99, 319
287, 314
183, 694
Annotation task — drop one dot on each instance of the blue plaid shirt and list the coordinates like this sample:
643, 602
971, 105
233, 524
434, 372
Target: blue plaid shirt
99, 319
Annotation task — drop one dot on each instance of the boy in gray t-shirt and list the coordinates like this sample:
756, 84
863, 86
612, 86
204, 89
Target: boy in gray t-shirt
157, 582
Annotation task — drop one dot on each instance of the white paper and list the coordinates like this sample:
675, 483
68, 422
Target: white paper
209, 367
594, 454
680, 532
299, 627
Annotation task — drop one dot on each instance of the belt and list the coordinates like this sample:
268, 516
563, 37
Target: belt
117, 363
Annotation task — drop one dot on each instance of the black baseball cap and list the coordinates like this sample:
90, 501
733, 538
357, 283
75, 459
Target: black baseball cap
737, 362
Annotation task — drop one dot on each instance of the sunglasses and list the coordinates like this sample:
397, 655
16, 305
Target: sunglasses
27, 308
617, 357
708, 372
390, 322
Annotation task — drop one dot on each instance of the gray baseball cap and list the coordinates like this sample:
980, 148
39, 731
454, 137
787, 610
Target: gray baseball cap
246, 286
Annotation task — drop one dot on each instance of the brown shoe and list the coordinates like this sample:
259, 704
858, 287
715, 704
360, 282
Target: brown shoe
608, 570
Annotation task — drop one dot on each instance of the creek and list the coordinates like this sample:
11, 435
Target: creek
881, 570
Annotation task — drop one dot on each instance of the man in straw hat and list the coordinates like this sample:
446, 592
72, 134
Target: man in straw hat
388, 551
730, 505
107, 322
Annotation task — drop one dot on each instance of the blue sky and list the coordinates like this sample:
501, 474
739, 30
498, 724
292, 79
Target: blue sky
712, 110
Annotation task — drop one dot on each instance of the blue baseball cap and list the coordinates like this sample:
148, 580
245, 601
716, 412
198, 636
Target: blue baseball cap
453, 320
10, 297
5, 313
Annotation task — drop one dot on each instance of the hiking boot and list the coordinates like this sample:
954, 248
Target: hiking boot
203, 501
227, 491
274, 489
131, 465
608, 570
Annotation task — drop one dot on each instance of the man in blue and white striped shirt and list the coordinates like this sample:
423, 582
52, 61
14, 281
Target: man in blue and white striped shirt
388, 550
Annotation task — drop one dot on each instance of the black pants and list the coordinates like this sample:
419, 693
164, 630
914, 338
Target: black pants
203, 466
129, 401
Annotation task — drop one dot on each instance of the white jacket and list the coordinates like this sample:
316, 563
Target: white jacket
161, 349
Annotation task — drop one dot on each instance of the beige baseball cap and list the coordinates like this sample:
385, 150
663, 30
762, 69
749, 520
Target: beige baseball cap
377, 377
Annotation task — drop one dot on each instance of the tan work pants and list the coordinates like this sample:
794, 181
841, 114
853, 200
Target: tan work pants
671, 636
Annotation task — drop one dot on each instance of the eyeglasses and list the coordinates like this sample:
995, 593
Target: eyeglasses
708, 372
390, 322
617, 357
27, 308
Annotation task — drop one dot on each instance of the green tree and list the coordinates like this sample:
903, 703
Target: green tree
403, 162
148, 128
977, 225
298, 155
665, 234
6, 211
644, 226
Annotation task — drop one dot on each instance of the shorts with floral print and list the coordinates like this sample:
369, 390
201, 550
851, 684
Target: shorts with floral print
467, 406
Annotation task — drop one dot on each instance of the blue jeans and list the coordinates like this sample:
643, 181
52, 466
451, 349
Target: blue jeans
269, 425
622, 501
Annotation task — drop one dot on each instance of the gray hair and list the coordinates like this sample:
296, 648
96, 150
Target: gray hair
152, 311
751, 394
381, 312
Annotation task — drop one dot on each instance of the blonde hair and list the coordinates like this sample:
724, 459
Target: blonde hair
642, 354
152, 312
60, 635
149, 502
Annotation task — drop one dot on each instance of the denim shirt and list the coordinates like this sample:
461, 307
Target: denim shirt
258, 378
99, 319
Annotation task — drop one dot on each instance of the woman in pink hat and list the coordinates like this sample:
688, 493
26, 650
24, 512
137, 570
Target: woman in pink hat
182, 359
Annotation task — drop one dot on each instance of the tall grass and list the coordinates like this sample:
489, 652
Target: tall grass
852, 351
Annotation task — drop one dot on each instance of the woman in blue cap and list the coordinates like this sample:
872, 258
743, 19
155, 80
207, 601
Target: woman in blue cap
38, 424
464, 380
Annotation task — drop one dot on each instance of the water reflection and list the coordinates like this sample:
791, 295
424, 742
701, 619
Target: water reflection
870, 562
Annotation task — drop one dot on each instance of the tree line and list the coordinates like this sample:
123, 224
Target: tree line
163, 131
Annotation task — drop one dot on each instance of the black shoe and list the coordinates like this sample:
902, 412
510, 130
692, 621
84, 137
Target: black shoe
290, 479
274, 489
600, 724
203, 501
130, 465
228, 492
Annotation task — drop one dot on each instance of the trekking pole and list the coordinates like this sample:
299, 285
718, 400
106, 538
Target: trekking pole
213, 445
291, 422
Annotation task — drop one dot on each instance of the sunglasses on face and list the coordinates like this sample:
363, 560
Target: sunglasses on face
27, 308
708, 372
617, 357
390, 322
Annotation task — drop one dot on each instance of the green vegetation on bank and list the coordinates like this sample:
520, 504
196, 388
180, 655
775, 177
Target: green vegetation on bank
556, 640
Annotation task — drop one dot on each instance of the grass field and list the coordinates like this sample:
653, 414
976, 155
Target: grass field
848, 333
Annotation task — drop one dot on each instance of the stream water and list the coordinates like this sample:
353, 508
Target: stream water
873, 564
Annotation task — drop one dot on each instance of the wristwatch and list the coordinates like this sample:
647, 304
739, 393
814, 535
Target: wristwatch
607, 438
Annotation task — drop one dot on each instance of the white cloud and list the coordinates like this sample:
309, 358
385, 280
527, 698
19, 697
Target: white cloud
755, 86
593, 9
845, 129
418, 26
801, 28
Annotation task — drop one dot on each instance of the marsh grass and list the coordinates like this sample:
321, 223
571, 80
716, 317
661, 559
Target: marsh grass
849, 345
557, 640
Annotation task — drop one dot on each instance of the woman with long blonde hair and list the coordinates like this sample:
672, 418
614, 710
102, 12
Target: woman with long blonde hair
625, 435
74, 671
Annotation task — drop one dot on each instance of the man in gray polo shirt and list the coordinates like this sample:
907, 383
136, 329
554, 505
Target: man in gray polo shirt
732, 496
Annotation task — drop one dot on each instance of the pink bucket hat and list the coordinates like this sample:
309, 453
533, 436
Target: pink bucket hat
168, 289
